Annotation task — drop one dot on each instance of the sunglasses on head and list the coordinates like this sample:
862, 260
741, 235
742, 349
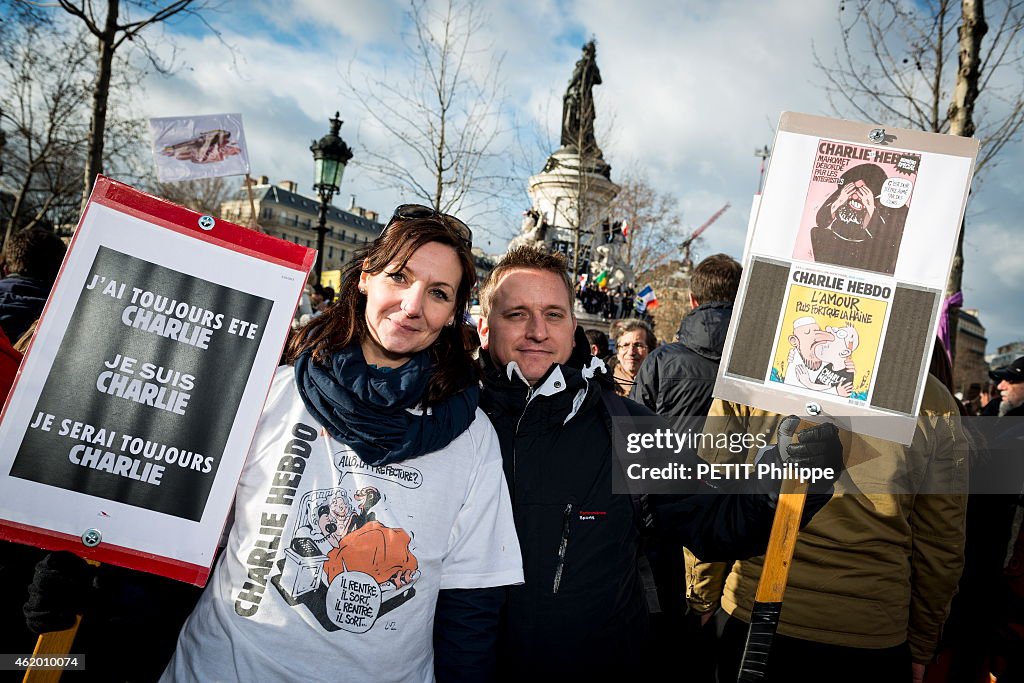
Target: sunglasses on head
418, 211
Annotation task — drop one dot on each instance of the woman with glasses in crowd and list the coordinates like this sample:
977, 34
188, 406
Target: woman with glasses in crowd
373, 494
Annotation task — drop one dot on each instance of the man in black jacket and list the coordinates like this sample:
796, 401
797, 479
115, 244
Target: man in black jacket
581, 614
676, 380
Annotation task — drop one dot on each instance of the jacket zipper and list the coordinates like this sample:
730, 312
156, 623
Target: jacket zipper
515, 453
562, 546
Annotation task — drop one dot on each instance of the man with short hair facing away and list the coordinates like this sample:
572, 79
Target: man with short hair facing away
677, 379
598, 344
581, 614
676, 382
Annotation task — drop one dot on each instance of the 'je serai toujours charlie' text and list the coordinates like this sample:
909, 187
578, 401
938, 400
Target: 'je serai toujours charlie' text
136, 458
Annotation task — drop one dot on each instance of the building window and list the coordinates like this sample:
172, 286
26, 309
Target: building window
267, 213
342, 255
330, 252
342, 235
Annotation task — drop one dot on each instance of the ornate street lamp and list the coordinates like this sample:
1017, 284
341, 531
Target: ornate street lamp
330, 154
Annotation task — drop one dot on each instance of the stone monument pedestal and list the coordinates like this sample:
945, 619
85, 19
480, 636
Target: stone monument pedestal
572, 191
573, 194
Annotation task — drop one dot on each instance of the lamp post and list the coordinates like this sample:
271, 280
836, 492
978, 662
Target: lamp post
330, 154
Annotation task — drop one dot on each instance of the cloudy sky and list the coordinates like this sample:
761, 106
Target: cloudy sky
690, 91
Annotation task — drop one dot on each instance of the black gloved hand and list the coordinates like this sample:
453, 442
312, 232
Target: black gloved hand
62, 587
819, 446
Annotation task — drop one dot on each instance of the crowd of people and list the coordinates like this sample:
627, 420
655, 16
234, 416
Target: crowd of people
313, 301
610, 304
511, 557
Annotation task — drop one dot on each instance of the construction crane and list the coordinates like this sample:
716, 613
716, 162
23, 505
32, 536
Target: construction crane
685, 247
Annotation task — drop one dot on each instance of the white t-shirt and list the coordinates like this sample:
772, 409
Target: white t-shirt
332, 567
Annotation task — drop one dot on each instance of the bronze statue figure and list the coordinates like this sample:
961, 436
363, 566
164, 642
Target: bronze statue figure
578, 104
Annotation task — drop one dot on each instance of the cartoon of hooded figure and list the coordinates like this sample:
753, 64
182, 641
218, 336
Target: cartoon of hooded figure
854, 229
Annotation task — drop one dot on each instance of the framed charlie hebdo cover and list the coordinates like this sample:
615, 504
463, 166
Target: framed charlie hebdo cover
844, 273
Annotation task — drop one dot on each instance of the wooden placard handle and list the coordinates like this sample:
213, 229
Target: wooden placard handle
764, 617
54, 643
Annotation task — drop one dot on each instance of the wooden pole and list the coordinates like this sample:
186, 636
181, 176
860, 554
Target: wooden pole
54, 643
764, 617
253, 225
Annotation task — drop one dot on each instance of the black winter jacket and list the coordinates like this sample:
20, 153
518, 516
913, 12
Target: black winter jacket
676, 380
581, 612
21, 302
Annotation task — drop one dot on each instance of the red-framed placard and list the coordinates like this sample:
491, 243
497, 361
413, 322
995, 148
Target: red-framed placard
128, 424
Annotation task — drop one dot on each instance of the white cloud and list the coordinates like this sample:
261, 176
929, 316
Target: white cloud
358, 21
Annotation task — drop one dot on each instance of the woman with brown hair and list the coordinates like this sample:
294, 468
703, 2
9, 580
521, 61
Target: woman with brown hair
373, 492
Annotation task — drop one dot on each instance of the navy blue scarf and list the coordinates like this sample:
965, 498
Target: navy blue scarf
367, 408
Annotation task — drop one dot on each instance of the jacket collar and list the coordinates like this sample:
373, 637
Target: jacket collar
573, 378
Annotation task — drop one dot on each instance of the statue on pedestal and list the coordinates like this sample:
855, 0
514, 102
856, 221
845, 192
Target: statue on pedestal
578, 104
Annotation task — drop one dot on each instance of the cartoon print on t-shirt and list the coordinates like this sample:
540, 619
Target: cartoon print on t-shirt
343, 564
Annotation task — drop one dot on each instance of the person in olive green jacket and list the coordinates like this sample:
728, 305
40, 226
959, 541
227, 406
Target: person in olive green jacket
873, 573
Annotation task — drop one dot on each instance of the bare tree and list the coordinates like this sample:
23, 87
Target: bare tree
444, 114
112, 23
581, 213
652, 223
42, 101
896, 64
901, 63
961, 114
204, 195
44, 106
